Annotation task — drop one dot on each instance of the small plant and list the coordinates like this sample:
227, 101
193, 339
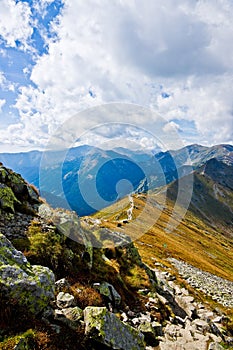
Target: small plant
137, 278
45, 247
86, 296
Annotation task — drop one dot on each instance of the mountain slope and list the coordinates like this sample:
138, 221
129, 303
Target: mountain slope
202, 238
212, 197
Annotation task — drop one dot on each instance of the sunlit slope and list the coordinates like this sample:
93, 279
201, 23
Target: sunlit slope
202, 238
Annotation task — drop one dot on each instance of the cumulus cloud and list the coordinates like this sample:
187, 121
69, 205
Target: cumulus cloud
129, 51
15, 23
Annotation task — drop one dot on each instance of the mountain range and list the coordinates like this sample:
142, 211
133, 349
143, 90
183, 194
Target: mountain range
93, 178
201, 234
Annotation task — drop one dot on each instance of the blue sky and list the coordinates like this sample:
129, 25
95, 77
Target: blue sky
59, 58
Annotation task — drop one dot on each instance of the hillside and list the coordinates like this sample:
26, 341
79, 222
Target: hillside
203, 238
72, 284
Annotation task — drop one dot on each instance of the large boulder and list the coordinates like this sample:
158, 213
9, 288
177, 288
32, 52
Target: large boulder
105, 328
68, 223
30, 286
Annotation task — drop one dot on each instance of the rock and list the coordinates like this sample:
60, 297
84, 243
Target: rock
109, 293
215, 330
179, 320
61, 284
215, 346
31, 286
106, 329
68, 223
149, 334
70, 316
65, 300
55, 328
186, 335
217, 319
186, 303
131, 313
162, 300
157, 327
15, 193
201, 325
145, 317
216, 287
124, 317
214, 338
47, 314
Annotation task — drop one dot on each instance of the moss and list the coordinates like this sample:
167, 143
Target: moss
25, 341
7, 198
137, 278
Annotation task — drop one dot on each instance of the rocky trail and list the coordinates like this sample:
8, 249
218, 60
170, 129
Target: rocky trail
217, 288
130, 210
193, 326
189, 326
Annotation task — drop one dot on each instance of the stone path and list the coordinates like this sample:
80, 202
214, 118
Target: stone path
217, 288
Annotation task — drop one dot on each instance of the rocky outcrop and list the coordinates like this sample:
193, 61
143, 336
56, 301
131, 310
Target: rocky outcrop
105, 328
16, 193
31, 286
68, 223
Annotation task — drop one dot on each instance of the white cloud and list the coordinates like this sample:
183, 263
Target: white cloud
5, 84
124, 51
2, 102
171, 126
41, 6
15, 22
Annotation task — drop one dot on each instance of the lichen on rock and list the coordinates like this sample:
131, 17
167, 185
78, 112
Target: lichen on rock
31, 286
105, 328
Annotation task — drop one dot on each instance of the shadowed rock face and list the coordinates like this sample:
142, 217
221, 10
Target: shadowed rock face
31, 286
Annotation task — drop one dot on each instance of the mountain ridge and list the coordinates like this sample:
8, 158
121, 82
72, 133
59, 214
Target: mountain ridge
88, 167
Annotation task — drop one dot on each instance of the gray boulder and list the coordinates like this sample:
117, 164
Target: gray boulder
65, 300
31, 286
105, 328
70, 316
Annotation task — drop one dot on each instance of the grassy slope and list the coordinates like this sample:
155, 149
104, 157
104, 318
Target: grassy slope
194, 240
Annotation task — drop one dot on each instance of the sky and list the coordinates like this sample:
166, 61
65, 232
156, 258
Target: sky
60, 59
